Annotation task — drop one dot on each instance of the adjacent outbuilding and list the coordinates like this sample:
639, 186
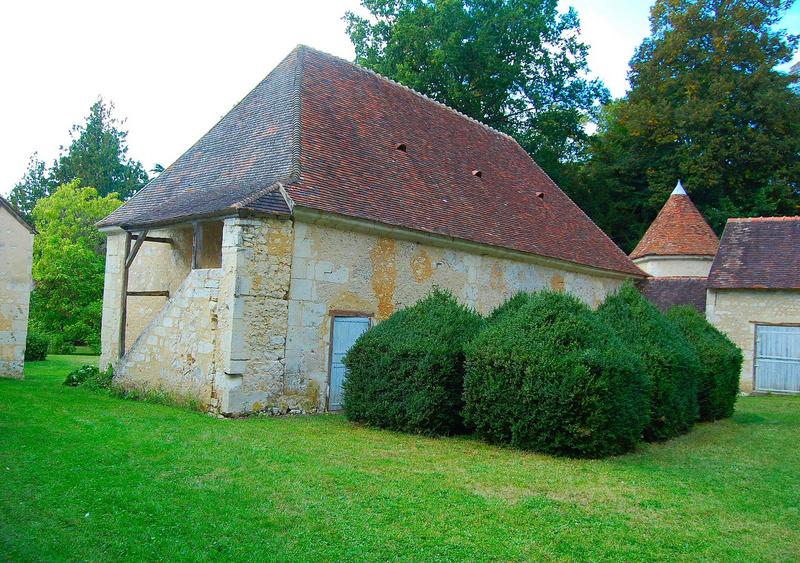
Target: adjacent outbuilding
16, 252
676, 252
754, 297
327, 199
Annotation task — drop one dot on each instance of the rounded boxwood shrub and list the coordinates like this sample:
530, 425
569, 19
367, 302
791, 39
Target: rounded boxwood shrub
407, 372
720, 363
669, 361
509, 306
36, 347
551, 377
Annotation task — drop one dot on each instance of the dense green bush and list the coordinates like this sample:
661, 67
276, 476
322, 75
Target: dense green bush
669, 360
552, 378
60, 345
36, 345
509, 306
407, 372
90, 376
720, 363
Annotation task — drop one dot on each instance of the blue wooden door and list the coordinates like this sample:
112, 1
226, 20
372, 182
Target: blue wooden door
346, 331
778, 358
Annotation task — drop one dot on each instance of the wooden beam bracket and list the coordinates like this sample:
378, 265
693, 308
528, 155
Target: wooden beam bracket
148, 294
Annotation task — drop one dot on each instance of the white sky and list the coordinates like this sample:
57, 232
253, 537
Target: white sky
173, 68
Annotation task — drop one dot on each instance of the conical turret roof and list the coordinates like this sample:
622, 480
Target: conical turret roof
678, 230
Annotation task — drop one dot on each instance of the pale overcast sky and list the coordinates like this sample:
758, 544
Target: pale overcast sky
173, 68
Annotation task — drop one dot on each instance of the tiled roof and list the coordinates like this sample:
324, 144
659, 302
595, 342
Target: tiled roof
4, 203
678, 230
329, 131
669, 291
758, 253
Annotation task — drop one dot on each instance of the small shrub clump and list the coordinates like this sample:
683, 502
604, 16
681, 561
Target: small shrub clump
550, 377
90, 376
720, 363
36, 347
407, 372
669, 361
60, 345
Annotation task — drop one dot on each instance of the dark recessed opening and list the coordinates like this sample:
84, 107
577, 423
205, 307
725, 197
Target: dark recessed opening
540, 195
477, 173
401, 147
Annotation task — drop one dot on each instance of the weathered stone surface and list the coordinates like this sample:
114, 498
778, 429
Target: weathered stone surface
353, 271
253, 335
736, 312
176, 351
16, 244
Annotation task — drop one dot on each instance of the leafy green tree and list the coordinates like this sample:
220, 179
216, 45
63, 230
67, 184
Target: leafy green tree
69, 263
708, 106
33, 186
98, 156
516, 65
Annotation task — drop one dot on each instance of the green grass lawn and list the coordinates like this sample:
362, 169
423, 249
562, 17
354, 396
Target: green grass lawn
88, 476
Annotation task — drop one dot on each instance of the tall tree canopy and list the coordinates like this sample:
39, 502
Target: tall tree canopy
706, 106
517, 65
97, 156
69, 263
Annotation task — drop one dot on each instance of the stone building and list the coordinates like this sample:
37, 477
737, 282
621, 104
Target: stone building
16, 249
747, 285
754, 297
328, 198
676, 252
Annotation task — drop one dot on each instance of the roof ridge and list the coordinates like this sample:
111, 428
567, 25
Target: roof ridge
409, 89
755, 219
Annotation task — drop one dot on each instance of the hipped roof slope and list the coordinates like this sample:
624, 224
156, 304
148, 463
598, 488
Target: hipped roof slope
342, 139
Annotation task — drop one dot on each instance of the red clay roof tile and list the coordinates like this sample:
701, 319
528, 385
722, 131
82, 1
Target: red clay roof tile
329, 130
678, 230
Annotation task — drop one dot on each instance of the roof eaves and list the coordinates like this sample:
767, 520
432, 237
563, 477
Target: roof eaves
16, 215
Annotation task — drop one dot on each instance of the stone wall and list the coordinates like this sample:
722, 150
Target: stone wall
157, 267
176, 351
16, 244
343, 268
256, 261
736, 312
671, 266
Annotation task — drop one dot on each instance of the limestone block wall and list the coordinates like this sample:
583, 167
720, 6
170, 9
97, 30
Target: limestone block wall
338, 268
669, 266
736, 312
16, 247
157, 267
176, 351
256, 265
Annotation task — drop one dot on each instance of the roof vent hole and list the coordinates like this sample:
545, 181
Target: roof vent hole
477, 173
401, 147
540, 195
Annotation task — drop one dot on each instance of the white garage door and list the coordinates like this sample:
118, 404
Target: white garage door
778, 358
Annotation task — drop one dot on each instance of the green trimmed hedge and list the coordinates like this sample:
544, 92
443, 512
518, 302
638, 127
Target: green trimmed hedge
36, 347
547, 375
669, 360
407, 372
720, 363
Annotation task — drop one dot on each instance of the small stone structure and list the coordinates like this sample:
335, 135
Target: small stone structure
749, 279
327, 192
755, 282
16, 248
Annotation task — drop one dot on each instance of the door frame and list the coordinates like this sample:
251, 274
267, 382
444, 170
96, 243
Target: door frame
756, 324
332, 314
